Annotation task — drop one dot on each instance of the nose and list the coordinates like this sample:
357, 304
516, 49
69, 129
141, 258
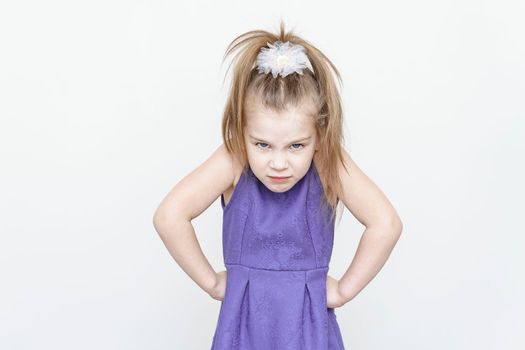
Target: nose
279, 162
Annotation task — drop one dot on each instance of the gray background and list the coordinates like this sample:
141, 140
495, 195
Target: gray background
105, 105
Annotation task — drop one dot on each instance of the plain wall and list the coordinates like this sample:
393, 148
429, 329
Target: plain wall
106, 105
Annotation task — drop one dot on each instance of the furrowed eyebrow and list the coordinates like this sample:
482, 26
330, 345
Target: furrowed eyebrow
300, 140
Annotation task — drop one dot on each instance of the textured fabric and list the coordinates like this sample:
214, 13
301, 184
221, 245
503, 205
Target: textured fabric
276, 248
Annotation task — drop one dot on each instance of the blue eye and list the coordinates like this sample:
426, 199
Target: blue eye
295, 144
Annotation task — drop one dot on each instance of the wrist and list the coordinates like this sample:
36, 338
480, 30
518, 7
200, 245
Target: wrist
345, 292
211, 283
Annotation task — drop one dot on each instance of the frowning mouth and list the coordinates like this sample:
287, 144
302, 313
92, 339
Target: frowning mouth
279, 178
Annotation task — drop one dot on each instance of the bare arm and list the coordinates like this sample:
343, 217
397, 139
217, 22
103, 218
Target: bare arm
370, 207
187, 200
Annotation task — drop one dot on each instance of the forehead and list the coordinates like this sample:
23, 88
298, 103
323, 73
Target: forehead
271, 125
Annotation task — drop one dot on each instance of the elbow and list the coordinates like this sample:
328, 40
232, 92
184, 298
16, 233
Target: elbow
168, 223
158, 216
396, 226
157, 222
390, 228
160, 222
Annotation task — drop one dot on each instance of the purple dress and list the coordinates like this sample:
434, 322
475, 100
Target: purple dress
276, 249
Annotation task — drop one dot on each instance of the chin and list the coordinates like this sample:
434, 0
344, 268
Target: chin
279, 188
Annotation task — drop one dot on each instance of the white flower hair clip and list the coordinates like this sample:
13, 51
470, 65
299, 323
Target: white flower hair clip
283, 58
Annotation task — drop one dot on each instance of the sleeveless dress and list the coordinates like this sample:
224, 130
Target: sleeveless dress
276, 250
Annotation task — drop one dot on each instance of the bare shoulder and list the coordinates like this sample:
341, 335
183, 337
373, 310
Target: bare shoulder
198, 189
237, 171
363, 198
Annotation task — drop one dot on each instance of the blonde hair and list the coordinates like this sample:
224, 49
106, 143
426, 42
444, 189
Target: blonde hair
278, 93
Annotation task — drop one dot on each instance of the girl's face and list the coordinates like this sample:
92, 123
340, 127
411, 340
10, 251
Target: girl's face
280, 144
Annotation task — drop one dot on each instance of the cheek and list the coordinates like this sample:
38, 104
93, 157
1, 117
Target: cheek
251, 151
253, 157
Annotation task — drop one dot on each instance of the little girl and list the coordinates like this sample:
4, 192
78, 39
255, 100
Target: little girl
280, 173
